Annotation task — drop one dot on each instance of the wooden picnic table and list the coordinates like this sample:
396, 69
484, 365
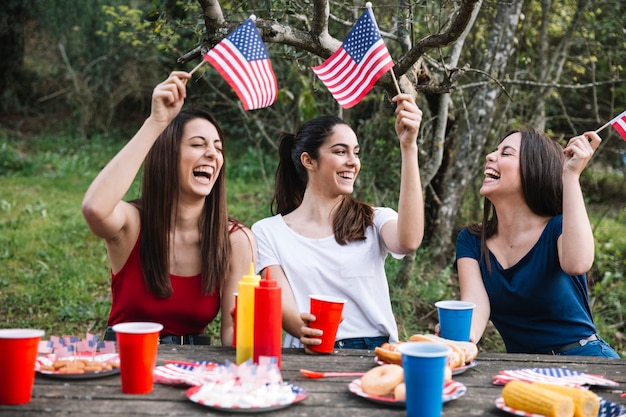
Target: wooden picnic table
325, 397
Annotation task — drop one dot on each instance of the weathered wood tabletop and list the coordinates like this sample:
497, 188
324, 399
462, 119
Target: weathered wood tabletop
326, 397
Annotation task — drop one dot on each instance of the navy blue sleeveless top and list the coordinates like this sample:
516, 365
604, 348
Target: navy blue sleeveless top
535, 306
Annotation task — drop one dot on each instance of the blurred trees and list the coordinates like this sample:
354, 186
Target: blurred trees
478, 69
14, 18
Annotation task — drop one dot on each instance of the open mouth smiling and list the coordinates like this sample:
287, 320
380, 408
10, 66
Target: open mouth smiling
492, 174
203, 172
346, 175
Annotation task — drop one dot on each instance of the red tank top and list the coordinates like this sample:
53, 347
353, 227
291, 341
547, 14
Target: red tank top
187, 311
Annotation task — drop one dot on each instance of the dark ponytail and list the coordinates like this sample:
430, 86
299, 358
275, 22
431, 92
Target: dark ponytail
291, 177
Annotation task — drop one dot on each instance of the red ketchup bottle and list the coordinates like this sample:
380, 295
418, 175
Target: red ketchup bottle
268, 319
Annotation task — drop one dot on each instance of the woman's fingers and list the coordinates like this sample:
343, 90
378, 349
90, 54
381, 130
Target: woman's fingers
580, 149
408, 115
310, 336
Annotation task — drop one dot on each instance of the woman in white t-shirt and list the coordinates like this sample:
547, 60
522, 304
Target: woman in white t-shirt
323, 241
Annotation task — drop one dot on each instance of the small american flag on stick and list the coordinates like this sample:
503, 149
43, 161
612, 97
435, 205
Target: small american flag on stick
351, 72
242, 59
619, 123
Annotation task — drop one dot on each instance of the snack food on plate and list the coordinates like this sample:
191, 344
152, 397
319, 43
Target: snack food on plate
399, 393
388, 353
550, 400
78, 366
389, 379
523, 396
382, 380
469, 350
462, 354
586, 403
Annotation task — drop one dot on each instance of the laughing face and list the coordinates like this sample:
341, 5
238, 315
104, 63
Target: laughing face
502, 170
201, 157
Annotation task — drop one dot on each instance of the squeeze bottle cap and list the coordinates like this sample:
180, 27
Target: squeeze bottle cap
251, 277
268, 282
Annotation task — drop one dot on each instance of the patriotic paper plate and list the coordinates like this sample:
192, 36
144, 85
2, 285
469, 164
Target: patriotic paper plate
607, 409
559, 376
191, 374
262, 400
464, 368
43, 362
451, 391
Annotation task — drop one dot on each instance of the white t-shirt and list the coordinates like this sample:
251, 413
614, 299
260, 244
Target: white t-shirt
355, 272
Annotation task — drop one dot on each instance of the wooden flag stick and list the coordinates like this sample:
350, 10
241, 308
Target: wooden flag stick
395, 81
197, 66
603, 126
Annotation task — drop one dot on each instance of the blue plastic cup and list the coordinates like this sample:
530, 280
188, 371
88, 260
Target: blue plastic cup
424, 366
455, 319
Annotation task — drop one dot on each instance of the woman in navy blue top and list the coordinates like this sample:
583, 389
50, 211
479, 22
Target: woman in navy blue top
526, 268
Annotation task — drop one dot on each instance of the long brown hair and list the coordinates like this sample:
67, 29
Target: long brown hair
541, 174
353, 217
158, 203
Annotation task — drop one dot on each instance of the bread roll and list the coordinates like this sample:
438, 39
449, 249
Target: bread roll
388, 353
469, 349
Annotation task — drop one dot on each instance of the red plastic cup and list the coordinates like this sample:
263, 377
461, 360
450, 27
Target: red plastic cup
327, 311
18, 353
137, 344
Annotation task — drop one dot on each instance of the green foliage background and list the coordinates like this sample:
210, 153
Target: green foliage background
55, 272
84, 85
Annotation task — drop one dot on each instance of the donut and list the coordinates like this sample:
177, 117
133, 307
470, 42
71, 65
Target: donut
399, 393
382, 380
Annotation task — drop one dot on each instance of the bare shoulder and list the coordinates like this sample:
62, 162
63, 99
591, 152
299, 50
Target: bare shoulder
241, 237
238, 230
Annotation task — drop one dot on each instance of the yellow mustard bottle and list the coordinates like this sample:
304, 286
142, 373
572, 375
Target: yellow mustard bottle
245, 316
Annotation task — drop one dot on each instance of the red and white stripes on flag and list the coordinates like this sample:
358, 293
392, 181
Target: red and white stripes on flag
351, 72
619, 123
242, 59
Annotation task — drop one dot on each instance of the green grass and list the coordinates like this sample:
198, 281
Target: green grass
55, 272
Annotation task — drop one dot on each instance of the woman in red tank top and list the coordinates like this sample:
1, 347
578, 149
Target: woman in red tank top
176, 256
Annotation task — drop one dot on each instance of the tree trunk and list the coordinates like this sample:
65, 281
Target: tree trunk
12, 48
464, 151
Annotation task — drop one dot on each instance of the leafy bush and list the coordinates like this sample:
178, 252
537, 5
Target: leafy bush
11, 160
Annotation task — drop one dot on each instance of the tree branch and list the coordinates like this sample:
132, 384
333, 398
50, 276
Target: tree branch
543, 84
455, 29
212, 14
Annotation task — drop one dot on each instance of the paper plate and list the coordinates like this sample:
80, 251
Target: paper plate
244, 404
461, 369
607, 409
559, 376
191, 374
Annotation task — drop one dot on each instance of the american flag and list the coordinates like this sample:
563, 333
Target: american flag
619, 123
241, 58
351, 72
